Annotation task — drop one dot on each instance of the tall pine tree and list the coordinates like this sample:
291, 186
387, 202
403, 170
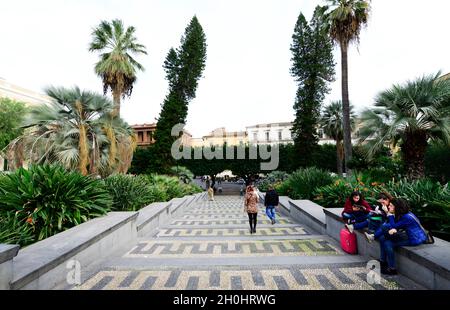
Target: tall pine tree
183, 68
312, 68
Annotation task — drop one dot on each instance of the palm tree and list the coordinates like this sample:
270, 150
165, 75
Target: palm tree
332, 125
344, 20
116, 67
409, 115
77, 131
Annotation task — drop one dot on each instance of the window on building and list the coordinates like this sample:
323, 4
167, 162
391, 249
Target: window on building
255, 136
280, 136
140, 136
267, 136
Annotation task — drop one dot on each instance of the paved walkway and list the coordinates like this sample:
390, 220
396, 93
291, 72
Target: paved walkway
210, 247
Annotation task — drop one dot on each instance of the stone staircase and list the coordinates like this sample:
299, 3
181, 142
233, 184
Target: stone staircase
209, 246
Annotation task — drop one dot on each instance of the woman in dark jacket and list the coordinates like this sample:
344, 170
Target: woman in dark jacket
400, 218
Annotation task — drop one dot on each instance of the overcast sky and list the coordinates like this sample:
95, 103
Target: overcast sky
246, 80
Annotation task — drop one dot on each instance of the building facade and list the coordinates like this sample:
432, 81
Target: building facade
145, 135
18, 93
220, 136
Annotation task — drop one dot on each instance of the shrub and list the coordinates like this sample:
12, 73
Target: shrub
274, 178
170, 187
429, 200
183, 173
12, 231
436, 162
334, 195
51, 199
129, 193
301, 184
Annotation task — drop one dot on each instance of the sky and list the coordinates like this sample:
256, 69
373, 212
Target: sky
246, 80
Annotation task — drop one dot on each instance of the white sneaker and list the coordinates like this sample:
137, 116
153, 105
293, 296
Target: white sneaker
349, 227
369, 237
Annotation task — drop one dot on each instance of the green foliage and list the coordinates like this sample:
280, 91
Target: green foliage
437, 159
75, 131
334, 195
14, 232
51, 199
409, 115
429, 200
382, 166
183, 173
170, 187
184, 68
274, 178
11, 116
312, 68
301, 184
129, 193
325, 157
116, 66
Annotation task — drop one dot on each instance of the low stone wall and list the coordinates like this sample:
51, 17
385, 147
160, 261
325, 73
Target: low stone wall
44, 264
7, 254
308, 213
426, 264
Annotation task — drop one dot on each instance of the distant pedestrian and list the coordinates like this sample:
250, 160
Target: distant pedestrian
210, 194
251, 207
271, 201
241, 190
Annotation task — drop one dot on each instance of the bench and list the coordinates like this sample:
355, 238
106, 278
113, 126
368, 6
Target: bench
426, 264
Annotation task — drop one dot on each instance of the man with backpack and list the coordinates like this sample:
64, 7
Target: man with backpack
271, 200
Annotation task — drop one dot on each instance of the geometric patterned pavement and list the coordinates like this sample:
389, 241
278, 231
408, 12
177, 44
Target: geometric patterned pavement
240, 279
209, 247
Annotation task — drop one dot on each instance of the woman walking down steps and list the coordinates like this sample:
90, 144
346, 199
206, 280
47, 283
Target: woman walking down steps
251, 207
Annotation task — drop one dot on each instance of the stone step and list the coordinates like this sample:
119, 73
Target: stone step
348, 276
163, 248
231, 232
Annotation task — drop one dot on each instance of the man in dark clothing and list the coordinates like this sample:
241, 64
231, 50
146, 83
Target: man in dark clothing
271, 201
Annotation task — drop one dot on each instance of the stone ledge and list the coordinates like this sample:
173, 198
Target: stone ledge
150, 212
308, 213
41, 257
8, 251
177, 203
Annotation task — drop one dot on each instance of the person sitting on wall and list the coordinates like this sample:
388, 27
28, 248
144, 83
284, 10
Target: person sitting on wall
356, 209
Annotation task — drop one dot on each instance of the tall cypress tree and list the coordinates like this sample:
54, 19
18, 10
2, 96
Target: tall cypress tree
312, 68
183, 68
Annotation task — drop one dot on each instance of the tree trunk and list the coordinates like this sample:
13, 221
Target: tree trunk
413, 150
116, 100
83, 149
339, 156
346, 109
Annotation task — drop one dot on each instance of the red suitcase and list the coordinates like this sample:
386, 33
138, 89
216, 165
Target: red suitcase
348, 241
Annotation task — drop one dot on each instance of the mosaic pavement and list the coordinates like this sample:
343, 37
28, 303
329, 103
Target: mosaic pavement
283, 278
214, 237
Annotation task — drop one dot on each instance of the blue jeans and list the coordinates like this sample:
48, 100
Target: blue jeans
388, 243
355, 217
270, 212
387, 246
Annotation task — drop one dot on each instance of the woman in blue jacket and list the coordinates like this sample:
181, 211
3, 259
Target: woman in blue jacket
399, 217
